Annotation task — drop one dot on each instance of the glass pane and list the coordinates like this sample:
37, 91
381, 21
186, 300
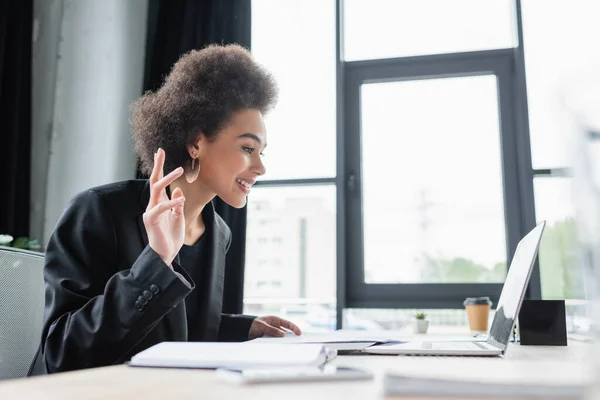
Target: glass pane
432, 181
562, 67
295, 40
560, 270
445, 321
291, 255
401, 320
400, 28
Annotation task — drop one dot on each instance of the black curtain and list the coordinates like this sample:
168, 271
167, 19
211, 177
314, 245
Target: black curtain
175, 27
15, 115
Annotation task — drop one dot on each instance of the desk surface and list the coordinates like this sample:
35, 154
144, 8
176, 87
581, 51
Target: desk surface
127, 383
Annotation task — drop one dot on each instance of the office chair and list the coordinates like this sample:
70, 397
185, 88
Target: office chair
21, 309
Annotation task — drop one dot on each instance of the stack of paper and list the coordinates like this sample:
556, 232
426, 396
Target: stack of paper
337, 340
229, 355
485, 378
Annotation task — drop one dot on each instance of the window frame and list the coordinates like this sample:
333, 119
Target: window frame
509, 68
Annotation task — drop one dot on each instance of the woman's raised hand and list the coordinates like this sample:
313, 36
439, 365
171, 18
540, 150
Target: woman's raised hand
163, 219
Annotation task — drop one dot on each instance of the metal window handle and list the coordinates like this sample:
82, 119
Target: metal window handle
351, 183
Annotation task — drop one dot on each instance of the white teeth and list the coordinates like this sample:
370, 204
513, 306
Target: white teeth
243, 183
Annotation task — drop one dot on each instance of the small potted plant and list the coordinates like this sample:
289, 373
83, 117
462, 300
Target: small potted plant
20, 242
421, 323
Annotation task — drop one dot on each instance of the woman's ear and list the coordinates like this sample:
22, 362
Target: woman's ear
194, 148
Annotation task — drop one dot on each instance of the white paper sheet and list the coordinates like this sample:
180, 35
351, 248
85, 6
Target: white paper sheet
229, 355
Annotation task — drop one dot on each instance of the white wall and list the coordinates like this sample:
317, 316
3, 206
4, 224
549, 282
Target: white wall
98, 63
46, 31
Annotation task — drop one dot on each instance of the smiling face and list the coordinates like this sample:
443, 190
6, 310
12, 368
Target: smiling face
231, 162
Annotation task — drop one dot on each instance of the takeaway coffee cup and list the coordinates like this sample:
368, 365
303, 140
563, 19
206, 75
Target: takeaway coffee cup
478, 311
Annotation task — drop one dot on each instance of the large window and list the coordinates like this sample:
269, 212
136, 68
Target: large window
291, 237
425, 104
561, 69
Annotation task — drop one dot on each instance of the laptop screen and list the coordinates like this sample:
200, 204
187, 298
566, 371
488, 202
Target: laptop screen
514, 287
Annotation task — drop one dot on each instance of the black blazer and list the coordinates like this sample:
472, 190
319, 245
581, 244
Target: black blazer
109, 295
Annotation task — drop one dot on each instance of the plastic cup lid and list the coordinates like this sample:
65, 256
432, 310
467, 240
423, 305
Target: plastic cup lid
477, 300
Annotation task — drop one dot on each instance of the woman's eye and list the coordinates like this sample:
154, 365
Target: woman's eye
248, 150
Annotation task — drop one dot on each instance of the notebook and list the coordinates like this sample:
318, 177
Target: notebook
212, 355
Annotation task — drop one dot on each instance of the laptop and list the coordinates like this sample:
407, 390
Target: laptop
507, 310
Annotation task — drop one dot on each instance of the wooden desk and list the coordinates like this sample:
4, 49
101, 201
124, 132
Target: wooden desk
127, 383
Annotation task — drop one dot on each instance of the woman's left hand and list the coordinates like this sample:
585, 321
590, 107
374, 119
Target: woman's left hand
272, 326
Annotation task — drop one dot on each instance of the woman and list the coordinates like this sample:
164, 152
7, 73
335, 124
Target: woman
135, 263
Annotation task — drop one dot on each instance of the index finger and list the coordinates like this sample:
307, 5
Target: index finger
157, 169
156, 176
290, 325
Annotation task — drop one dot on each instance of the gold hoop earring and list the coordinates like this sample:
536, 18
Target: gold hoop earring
192, 172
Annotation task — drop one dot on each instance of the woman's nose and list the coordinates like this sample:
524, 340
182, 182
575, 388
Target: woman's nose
259, 168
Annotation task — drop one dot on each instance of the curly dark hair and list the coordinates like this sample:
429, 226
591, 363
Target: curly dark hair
199, 96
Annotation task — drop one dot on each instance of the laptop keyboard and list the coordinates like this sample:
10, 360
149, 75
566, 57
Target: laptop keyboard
454, 345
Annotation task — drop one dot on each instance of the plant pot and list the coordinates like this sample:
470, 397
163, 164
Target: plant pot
421, 326
5, 240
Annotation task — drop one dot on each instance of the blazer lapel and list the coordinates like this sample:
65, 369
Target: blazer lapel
176, 319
